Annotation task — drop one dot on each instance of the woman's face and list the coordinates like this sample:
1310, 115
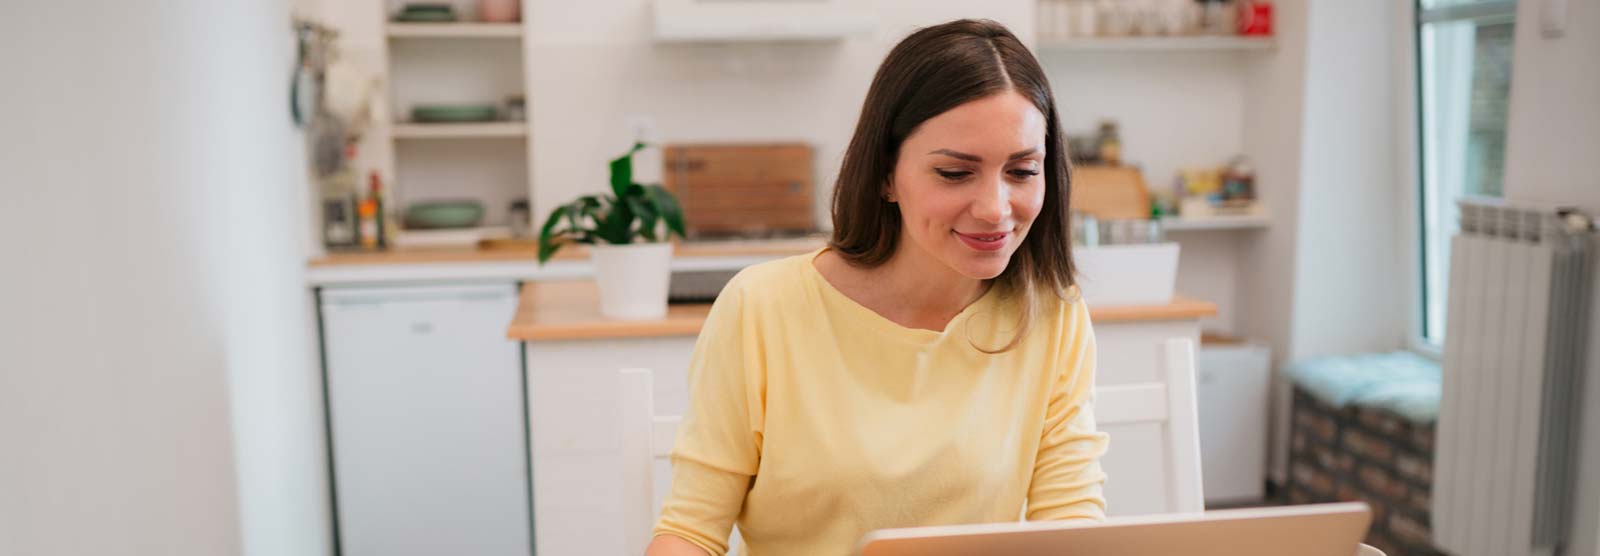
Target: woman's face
969, 183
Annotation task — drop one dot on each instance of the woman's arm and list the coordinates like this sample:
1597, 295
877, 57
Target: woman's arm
1067, 479
672, 545
718, 446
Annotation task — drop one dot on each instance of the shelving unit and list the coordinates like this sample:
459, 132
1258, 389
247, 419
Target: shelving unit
455, 63
1246, 222
462, 30
1181, 102
1174, 43
484, 130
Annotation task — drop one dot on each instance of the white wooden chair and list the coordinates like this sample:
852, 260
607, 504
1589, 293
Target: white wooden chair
1153, 464
647, 450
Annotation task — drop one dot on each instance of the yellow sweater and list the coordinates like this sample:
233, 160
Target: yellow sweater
814, 420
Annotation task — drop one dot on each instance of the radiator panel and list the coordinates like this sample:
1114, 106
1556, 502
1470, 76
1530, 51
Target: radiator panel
1512, 357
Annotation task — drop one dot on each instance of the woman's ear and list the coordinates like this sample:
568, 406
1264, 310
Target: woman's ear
888, 190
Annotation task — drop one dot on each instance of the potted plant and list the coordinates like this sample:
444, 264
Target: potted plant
627, 232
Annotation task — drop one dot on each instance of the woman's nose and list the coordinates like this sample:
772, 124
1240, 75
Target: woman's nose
993, 204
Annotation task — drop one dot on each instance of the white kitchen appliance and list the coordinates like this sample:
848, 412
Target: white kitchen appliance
427, 421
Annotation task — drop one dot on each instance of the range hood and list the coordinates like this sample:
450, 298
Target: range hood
759, 20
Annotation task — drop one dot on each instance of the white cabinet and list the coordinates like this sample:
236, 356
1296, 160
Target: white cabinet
578, 458
1232, 386
427, 421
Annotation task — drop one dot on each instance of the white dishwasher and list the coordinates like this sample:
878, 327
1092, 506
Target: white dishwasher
427, 420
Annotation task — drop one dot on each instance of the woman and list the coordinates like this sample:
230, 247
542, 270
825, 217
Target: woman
932, 365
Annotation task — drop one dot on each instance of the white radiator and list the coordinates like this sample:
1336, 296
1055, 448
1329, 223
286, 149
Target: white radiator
1504, 460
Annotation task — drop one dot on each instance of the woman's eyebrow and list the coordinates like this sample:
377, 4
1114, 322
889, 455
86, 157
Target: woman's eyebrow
975, 158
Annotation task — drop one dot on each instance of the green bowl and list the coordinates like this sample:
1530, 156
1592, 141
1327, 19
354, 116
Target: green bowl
437, 215
453, 113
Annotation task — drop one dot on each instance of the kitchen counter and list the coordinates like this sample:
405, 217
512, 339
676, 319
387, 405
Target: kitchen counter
570, 310
519, 261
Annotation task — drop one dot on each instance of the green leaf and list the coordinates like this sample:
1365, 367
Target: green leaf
648, 218
550, 242
667, 206
622, 171
614, 226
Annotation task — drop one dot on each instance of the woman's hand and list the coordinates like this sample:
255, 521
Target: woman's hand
672, 545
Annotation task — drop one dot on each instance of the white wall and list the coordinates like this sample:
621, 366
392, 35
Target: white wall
1348, 273
1553, 156
593, 67
154, 321
1275, 93
1327, 276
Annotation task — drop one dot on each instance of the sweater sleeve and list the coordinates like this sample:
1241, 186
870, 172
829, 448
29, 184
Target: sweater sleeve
718, 446
1067, 479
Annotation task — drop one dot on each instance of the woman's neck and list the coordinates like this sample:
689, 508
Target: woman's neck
912, 288
920, 281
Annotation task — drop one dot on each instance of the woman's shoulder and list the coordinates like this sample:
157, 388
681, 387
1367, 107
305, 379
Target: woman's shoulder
771, 281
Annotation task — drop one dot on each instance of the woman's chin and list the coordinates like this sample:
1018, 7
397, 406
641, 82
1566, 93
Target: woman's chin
985, 267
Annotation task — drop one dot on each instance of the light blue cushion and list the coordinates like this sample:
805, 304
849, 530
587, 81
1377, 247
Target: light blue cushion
1401, 381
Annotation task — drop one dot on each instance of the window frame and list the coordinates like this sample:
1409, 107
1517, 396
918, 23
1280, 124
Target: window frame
1413, 133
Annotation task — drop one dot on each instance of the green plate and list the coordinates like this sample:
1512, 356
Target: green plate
425, 17
453, 113
435, 215
429, 7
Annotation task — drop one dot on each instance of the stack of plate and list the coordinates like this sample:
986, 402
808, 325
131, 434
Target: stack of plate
426, 13
441, 113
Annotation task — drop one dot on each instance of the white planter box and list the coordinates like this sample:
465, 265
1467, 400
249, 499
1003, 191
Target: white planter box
1127, 274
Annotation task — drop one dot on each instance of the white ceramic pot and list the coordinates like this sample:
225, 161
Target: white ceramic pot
633, 279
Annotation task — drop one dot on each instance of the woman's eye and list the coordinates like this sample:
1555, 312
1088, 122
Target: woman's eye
953, 174
1023, 174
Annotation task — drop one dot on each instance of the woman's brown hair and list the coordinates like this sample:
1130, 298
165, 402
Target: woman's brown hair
932, 71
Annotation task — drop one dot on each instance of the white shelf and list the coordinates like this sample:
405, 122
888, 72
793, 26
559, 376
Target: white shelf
1180, 43
483, 130
1244, 222
722, 21
465, 30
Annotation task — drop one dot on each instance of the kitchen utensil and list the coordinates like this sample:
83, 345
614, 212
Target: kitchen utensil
434, 215
453, 113
751, 190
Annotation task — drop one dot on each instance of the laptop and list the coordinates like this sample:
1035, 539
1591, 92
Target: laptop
1311, 530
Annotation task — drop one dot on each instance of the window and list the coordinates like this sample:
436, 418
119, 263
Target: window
1464, 85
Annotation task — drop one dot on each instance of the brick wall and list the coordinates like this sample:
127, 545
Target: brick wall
1374, 456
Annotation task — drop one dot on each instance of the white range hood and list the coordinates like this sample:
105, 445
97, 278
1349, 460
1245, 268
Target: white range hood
759, 20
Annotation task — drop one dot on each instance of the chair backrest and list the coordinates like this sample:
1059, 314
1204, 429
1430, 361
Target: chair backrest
647, 450
1153, 464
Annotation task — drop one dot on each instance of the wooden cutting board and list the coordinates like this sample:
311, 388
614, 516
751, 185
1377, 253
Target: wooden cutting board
742, 189
1110, 192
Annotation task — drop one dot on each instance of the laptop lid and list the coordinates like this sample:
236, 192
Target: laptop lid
1311, 530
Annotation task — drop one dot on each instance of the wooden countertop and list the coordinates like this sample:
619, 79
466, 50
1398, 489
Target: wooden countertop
528, 251
571, 311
